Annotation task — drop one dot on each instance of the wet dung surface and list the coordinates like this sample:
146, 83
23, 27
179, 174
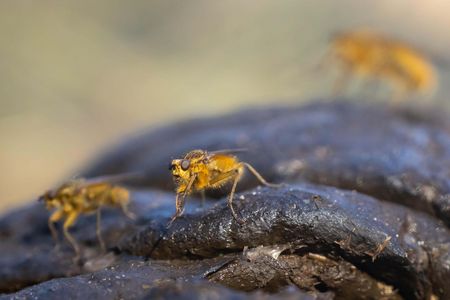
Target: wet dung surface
398, 155
363, 213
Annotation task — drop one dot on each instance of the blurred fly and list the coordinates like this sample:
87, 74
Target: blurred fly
368, 54
80, 197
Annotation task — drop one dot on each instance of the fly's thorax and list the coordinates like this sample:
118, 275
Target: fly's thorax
364, 51
349, 48
198, 167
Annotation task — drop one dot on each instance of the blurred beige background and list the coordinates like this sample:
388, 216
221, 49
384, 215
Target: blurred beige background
78, 75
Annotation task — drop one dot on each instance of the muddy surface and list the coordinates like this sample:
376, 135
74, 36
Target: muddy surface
138, 279
363, 214
310, 272
395, 155
388, 241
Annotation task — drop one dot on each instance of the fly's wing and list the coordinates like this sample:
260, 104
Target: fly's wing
95, 185
113, 179
227, 151
69, 186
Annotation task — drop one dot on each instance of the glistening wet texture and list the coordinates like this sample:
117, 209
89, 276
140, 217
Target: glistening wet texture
401, 156
137, 279
329, 242
397, 245
310, 272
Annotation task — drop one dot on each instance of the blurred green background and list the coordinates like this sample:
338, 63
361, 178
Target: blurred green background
78, 75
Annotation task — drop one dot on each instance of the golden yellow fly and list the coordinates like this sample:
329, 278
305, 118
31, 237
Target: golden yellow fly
200, 170
367, 53
80, 197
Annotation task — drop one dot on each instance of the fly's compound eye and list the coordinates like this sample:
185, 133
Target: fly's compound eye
185, 164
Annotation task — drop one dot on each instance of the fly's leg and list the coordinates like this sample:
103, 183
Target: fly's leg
99, 230
54, 232
180, 201
100, 199
67, 224
236, 174
230, 198
259, 176
236, 180
55, 217
121, 196
126, 212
